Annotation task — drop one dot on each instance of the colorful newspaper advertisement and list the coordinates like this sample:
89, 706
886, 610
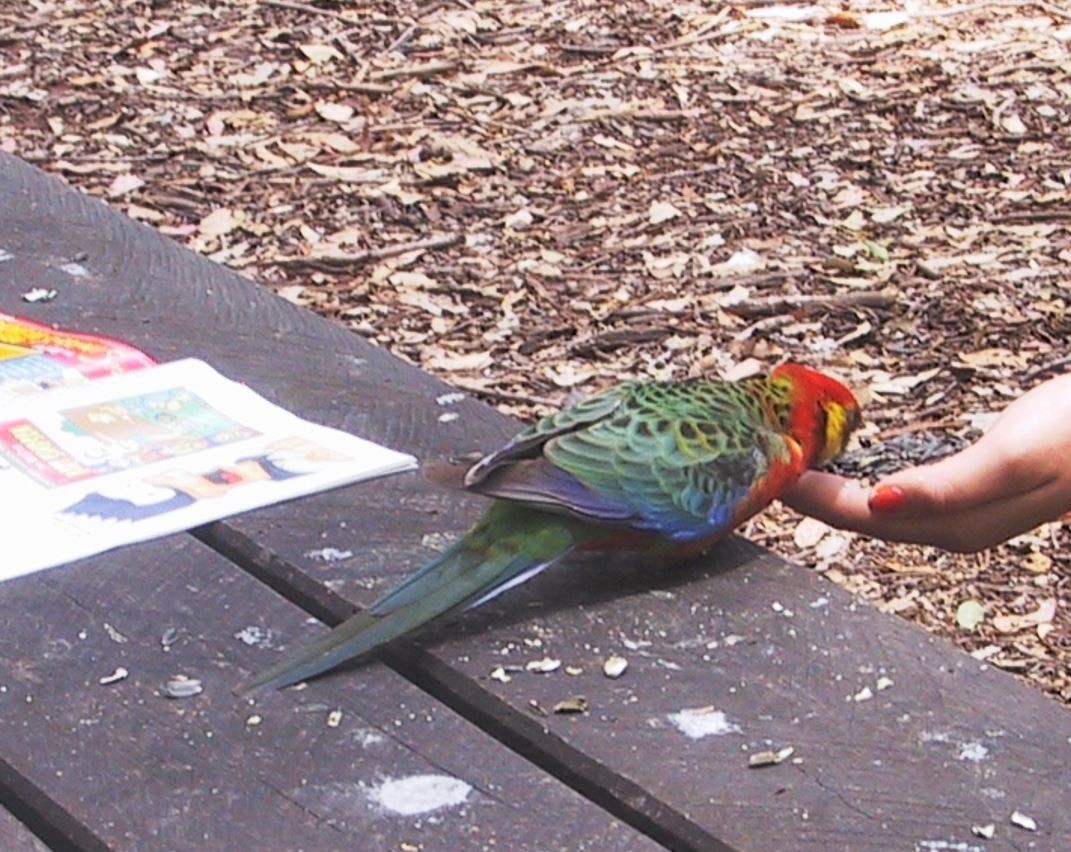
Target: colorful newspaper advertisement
35, 358
141, 454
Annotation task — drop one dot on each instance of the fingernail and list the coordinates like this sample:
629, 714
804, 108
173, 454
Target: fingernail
888, 499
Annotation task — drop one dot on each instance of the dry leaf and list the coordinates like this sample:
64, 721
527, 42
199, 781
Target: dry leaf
124, 184
292, 293
339, 142
903, 384
413, 279
742, 262
218, 222
434, 304
995, 357
661, 211
568, 376
338, 113
854, 221
970, 614
455, 154
519, 220
809, 532
144, 214
845, 20
1037, 562
884, 215
1044, 614
319, 53
1012, 124
885, 20
796, 14
830, 547
666, 266
450, 363
348, 174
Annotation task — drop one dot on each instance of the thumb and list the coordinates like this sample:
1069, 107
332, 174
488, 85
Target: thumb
904, 493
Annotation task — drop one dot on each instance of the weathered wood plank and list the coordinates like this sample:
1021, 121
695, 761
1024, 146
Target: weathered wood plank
144, 289
949, 745
16, 837
141, 771
522, 732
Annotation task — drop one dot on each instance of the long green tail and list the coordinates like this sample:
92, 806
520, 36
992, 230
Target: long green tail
506, 547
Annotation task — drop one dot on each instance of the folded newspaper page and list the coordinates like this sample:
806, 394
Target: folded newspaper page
90, 466
35, 358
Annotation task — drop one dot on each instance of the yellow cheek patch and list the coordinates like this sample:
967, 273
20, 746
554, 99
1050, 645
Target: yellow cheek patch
836, 431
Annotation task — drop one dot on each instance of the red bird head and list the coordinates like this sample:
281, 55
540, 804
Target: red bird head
824, 412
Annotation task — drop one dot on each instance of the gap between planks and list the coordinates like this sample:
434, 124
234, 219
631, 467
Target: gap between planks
614, 793
53, 824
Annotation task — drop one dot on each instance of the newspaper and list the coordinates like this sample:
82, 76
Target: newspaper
36, 358
88, 464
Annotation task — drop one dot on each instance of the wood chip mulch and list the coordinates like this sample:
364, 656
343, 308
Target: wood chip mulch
533, 200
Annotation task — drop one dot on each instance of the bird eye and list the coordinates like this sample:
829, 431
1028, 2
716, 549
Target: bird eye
823, 420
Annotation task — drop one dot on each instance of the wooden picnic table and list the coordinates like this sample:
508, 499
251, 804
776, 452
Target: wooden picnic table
744, 654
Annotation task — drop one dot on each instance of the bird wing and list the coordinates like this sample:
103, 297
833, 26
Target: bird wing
683, 461
529, 443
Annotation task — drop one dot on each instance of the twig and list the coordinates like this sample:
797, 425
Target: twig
635, 111
617, 338
1051, 367
640, 311
402, 40
669, 114
1048, 8
762, 326
786, 304
591, 49
367, 88
952, 11
1032, 216
428, 69
683, 173
1052, 9
348, 47
342, 262
700, 35
309, 10
751, 280
923, 426
501, 395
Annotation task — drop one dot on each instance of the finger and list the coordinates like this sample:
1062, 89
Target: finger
844, 503
972, 477
833, 499
977, 528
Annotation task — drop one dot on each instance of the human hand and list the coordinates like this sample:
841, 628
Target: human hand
1015, 477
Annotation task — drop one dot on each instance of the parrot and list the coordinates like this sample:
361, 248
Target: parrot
660, 469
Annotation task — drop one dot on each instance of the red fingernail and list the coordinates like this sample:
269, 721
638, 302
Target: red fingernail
888, 499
